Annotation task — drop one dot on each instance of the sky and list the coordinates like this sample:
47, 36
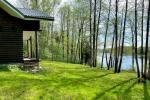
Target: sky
14, 2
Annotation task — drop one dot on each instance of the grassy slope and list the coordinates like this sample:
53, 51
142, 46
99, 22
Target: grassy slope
60, 81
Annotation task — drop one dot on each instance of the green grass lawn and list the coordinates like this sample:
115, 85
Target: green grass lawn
61, 81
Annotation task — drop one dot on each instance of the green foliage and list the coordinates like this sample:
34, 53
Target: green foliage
127, 50
61, 81
10, 67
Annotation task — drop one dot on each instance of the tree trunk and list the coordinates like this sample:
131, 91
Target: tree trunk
99, 18
111, 53
120, 35
68, 30
136, 39
122, 45
105, 41
142, 38
94, 34
82, 38
116, 38
91, 61
133, 47
147, 40
148, 76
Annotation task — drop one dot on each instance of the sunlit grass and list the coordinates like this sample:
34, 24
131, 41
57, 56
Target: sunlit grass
61, 81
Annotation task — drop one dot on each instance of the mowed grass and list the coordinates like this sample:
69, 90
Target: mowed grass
61, 81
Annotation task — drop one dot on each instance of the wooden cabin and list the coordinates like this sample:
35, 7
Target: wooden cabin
18, 27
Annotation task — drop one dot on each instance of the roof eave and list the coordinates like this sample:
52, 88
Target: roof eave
5, 5
36, 18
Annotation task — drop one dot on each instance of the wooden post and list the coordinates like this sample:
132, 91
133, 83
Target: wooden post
31, 46
27, 48
36, 44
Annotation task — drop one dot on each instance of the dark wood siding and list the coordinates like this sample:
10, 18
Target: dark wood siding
11, 37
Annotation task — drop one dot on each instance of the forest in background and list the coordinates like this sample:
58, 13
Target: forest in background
82, 27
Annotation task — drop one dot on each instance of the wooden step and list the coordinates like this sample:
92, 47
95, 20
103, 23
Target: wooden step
30, 62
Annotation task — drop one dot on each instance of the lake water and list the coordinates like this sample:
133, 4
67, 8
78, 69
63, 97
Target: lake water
126, 62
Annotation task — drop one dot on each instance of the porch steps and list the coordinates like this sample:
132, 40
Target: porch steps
30, 62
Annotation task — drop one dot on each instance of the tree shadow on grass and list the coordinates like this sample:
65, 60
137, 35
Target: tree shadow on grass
72, 83
4, 67
146, 94
46, 87
127, 91
120, 84
90, 77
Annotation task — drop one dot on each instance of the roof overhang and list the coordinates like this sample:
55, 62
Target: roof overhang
13, 11
38, 19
